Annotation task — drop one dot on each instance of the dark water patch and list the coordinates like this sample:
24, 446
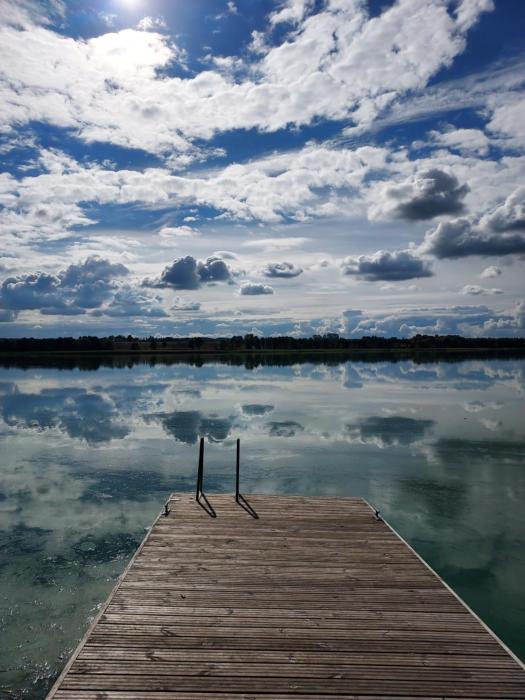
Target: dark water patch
468, 451
388, 431
287, 428
257, 409
27, 680
105, 548
21, 540
131, 485
189, 426
78, 413
45, 571
437, 498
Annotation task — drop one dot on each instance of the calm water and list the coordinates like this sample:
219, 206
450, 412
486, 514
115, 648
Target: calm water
88, 455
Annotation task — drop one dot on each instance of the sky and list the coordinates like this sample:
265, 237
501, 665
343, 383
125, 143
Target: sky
295, 167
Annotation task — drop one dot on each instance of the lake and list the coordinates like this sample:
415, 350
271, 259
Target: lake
91, 448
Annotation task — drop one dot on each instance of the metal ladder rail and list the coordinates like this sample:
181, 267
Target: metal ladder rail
200, 496
239, 498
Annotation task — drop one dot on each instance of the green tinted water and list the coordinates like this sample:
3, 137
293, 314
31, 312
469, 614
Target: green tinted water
89, 455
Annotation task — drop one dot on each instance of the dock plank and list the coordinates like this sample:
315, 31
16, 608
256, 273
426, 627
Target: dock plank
315, 598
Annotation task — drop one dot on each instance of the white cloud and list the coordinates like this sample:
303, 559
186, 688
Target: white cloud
469, 141
282, 269
476, 290
131, 302
181, 304
338, 64
109, 18
266, 189
500, 231
81, 286
424, 195
459, 320
510, 216
255, 289
178, 232
189, 273
387, 266
283, 243
490, 272
496, 87
291, 11
148, 24
508, 119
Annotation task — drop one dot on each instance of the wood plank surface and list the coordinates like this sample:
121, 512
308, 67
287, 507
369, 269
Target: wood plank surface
314, 598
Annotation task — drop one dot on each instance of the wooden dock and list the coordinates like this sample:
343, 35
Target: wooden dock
315, 598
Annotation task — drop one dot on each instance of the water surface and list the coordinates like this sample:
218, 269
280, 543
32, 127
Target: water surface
90, 450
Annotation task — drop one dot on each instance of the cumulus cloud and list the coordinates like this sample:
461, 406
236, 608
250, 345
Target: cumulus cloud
225, 254
180, 304
389, 431
508, 118
455, 320
285, 428
189, 273
468, 141
268, 189
490, 272
459, 238
510, 216
476, 290
291, 11
254, 289
131, 302
148, 24
81, 286
338, 64
213, 269
297, 185
499, 232
282, 269
386, 266
81, 414
181, 274
188, 426
427, 194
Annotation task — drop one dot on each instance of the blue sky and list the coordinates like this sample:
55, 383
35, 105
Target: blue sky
297, 166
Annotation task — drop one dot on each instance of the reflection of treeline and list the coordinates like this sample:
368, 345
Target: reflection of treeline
253, 343
94, 358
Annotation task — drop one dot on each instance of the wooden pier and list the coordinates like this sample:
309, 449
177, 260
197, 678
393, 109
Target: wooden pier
313, 598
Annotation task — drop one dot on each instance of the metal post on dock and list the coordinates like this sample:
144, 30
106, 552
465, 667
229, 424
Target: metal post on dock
200, 469
200, 496
239, 498
237, 472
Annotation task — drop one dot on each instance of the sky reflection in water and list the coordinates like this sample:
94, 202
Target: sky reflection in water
89, 456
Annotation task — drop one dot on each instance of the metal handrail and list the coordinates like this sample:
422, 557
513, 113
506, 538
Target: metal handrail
239, 498
200, 496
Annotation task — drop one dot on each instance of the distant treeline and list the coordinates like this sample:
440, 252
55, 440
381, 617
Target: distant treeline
331, 342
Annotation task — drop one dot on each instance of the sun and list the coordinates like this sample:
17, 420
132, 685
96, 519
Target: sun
129, 3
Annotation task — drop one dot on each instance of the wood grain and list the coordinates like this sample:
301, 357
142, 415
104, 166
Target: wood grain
315, 598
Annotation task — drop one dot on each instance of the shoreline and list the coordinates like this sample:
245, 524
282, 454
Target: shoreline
265, 351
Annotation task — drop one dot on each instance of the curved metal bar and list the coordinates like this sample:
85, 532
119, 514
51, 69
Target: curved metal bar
239, 498
200, 496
